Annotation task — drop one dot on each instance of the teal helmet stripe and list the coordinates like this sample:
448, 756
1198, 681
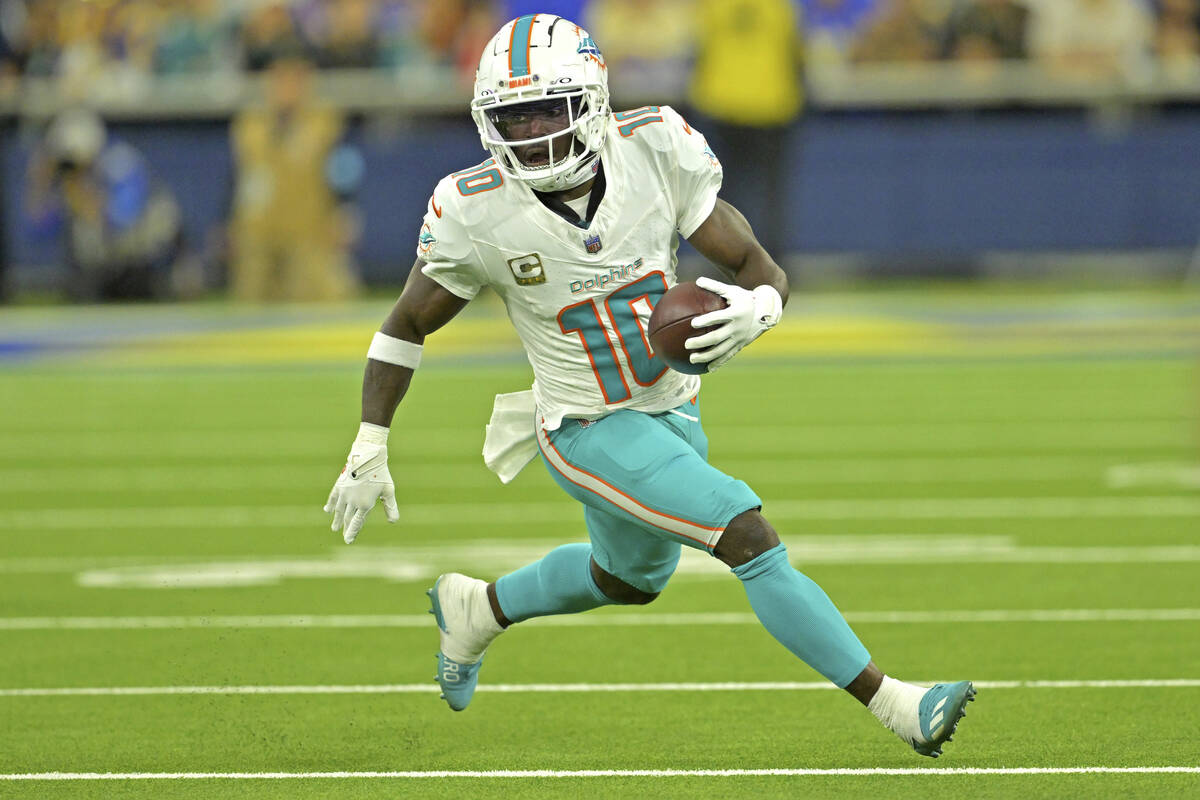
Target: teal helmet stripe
518, 48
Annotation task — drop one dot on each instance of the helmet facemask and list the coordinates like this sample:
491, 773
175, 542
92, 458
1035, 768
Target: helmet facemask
547, 139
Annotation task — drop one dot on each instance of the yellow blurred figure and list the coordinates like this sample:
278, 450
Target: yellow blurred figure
289, 235
748, 59
747, 81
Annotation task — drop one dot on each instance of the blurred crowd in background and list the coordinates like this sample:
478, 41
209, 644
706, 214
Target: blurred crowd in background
292, 222
77, 40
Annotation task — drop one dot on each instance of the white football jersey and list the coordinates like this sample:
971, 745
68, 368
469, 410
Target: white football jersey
580, 298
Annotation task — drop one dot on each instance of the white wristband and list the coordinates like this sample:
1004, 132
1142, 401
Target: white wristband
391, 350
371, 433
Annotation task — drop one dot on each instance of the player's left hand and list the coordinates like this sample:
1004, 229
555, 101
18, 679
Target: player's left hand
364, 479
748, 314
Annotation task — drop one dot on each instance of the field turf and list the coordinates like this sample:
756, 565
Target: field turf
999, 488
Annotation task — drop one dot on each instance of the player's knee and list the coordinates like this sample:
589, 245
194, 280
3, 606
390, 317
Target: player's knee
746, 537
618, 590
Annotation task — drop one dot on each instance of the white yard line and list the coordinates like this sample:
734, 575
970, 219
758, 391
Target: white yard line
441, 514
986, 508
284, 474
599, 773
287, 475
560, 688
421, 562
956, 435
1160, 474
601, 620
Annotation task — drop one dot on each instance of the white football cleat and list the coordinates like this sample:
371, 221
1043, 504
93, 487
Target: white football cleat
467, 626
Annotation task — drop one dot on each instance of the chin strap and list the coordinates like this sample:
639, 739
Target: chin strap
577, 175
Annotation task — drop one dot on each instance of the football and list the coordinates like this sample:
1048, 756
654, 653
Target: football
671, 324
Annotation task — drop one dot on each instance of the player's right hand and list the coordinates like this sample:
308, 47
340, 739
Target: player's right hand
364, 479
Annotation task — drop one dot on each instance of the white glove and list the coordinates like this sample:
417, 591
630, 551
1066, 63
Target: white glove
364, 479
747, 315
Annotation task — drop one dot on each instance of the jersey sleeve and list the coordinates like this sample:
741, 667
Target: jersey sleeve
697, 173
445, 245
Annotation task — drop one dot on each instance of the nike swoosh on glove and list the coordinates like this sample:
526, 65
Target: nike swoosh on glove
364, 479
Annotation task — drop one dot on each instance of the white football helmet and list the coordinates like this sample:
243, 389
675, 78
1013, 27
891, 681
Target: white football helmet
549, 61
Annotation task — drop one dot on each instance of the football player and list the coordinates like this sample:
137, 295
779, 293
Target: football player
574, 222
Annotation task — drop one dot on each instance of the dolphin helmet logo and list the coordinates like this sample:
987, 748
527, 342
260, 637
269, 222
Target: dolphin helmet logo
587, 45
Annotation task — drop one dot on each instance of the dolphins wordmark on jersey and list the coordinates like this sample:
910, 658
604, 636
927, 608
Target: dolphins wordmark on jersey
581, 312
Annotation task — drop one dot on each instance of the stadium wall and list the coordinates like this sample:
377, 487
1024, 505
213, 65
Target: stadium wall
899, 187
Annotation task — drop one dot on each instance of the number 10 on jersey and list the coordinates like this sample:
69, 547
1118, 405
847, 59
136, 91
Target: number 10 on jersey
624, 309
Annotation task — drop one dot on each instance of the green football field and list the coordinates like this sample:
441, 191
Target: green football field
999, 488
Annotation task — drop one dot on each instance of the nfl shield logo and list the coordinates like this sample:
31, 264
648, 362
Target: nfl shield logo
592, 243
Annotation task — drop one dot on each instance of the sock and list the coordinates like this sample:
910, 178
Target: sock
896, 705
798, 613
561, 583
478, 626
